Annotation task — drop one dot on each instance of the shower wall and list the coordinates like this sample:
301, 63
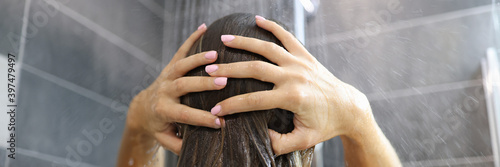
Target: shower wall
419, 64
83, 61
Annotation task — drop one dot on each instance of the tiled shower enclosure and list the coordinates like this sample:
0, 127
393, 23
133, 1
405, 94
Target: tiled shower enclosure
81, 62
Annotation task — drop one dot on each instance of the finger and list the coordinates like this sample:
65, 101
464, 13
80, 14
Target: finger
287, 39
260, 70
269, 50
261, 100
187, 115
187, 64
286, 143
186, 46
185, 85
169, 140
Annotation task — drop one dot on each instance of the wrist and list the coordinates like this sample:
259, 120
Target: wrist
364, 133
135, 121
361, 120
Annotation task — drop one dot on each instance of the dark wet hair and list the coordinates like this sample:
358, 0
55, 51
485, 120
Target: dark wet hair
244, 141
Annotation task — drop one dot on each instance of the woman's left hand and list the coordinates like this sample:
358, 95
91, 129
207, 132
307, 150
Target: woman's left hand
324, 106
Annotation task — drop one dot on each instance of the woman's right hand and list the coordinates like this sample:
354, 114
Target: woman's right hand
154, 110
323, 105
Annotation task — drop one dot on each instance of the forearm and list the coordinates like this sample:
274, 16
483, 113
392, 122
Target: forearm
370, 147
138, 150
137, 147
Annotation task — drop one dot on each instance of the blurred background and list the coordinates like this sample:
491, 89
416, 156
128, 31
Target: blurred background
425, 66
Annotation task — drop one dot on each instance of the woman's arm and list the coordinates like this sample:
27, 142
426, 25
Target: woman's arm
138, 147
365, 144
370, 149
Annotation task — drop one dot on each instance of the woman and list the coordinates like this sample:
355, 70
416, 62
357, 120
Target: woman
323, 106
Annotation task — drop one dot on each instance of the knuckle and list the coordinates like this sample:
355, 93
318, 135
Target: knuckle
300, 78
157, 108
182, 116
163, 87
308, 142
289, 37
270, 46
274, 26
296, 96
257, 66
179, 85
175, 67
253, 99
182, 50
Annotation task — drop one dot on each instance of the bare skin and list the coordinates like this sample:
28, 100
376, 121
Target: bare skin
154, 110
324, 106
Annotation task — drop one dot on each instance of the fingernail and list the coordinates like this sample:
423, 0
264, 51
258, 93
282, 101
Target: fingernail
210, 55
226, 38
217, 121
215, 110
221, 81
211, 68
257, 17
202, 26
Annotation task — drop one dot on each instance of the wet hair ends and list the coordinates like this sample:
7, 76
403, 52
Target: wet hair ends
244, 140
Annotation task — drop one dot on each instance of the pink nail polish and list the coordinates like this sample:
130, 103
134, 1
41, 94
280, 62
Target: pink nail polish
202, 26
210, 55
226, 38
257, 17
217, 121
211, 68
215, 110
221, 81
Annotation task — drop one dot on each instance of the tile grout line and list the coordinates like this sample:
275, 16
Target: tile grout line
72, 87
46, 157
24, 29
163, 49
423, 90
352, 34
106, 34
451, 161
158, 10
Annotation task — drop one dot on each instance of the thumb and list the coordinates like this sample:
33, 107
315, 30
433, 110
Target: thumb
169, 140
286, 143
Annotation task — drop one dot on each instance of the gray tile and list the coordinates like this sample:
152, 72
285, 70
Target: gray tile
3, 155
486, 164
11, 16
57, 122
461, 162
333, 152
33, 161
436, 53
443, 125
81, 56
345, 15
131, 20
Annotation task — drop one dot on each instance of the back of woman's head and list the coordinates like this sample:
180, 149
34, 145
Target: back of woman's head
244, 139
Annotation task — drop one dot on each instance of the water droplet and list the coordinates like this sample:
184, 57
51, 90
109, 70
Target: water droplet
130, 162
